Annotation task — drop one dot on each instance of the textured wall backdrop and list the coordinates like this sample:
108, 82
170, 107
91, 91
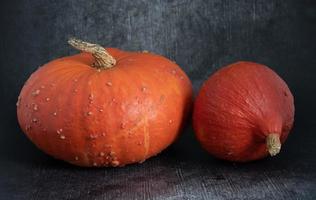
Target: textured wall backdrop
200, 36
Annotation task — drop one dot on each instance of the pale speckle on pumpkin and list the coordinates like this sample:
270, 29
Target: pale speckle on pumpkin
52, 84
100, 110
18, 102
34, 120
93, 136
59, 131
28, 127
43, 86
47, 99
181, 77
123, 125
103, 134
102, 154
55, 113
89, 113
76, 158
95, 164
91, 96
173, 71
115, 163
75, 90
75, 80
62, 137
170, 121
36, 92
44, 130
35, 107
109, 83
143, 89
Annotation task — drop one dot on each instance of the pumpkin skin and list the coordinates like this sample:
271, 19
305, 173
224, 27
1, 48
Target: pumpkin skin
105, 117
238, 107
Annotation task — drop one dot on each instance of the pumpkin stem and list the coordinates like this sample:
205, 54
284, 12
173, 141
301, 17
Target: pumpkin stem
273, 144
103, 60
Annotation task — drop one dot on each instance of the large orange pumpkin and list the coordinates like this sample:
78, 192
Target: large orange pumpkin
104, 107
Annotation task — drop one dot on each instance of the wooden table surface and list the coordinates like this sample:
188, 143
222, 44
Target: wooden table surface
201, 36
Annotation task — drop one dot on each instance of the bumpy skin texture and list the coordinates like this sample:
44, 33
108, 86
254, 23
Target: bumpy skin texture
237, 107
110, 117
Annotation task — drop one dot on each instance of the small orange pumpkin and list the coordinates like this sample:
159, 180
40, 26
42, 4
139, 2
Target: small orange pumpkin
104, 107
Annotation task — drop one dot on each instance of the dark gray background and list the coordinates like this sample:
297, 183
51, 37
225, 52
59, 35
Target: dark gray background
200, 36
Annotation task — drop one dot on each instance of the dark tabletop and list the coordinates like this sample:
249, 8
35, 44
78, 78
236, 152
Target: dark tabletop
201, 36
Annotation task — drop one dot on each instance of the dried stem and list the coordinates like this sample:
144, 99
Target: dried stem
103, 60
273, 144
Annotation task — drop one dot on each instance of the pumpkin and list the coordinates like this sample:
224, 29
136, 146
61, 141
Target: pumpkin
243, 112
104, 107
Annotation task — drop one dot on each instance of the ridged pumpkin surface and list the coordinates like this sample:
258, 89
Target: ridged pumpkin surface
238, 107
